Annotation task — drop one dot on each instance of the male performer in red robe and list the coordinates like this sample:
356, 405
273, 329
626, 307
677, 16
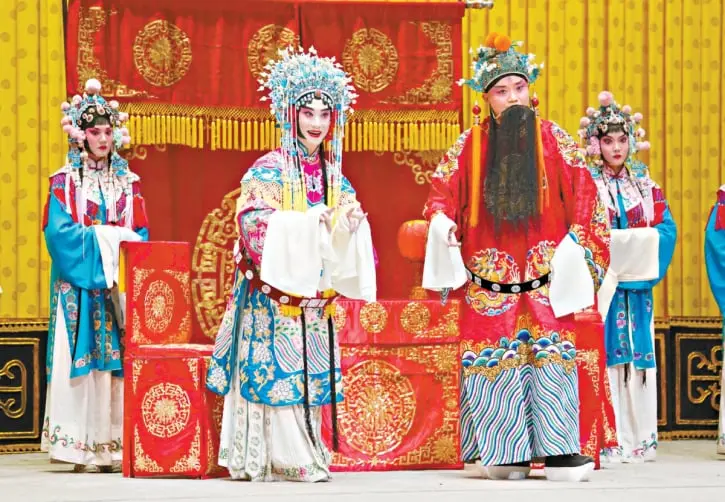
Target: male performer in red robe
511, 192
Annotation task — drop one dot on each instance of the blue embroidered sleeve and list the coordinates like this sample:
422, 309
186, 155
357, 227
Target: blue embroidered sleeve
73, 249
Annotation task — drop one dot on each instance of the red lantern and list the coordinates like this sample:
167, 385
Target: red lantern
412, 237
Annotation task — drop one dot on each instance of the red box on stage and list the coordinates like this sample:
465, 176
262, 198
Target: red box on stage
155, 277
172, 422
401, 382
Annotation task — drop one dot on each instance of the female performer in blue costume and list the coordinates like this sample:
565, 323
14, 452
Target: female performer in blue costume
642, 244
93, 205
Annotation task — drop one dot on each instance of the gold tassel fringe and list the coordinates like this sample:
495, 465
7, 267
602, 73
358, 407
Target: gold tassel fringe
248, 130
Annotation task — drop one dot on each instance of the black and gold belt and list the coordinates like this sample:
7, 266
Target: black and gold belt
497, 287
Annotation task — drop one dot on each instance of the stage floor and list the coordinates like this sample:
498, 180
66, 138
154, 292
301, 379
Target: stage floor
686, 470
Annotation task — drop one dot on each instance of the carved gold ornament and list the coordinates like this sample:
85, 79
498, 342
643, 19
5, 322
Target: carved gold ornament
371, 58
165, 410
415, 318
10, 406
212, 265
265, 43
162, 53
703, 377
379, 408
373, 317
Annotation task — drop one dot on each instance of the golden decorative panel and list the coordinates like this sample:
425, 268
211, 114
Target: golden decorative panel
212, 264
162, 53
415, 318
371, 58
441, 360
165, 410
373, 317
158, 306
265, 43
379, 407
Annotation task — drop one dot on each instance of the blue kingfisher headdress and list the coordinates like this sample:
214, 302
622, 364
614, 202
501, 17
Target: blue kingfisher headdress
81, 113
294, 80
497, 58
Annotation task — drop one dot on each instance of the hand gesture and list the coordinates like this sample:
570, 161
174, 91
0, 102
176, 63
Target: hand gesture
326, 218
452, 241
355, 216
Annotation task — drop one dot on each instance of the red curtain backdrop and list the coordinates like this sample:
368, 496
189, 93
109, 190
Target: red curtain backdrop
177, 51
400, 56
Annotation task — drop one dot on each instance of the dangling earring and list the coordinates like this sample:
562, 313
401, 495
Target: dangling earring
535, 103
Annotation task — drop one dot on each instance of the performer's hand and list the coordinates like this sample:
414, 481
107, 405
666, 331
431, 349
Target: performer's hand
326, 218
452, 241
355, 216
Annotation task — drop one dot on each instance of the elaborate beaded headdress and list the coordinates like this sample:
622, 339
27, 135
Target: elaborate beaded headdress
596, 123
497, 58
81, 112
294, 80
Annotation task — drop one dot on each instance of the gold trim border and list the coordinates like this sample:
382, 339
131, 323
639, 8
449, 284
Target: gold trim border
23, 325
239, 113
689, 434
12, 449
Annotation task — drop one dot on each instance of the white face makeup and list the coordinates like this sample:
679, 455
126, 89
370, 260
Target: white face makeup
314, 124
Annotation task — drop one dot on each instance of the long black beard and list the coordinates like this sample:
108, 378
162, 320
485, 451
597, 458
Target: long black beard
511, 187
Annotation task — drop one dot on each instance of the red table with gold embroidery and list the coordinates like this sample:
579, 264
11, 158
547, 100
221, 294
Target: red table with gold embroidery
402, 382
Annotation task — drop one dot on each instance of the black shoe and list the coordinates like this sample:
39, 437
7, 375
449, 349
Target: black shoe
572, 467
514, 471
574, 460
517, 464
